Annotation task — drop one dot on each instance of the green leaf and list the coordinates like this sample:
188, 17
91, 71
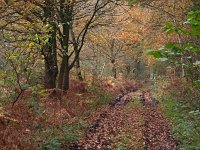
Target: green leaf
25, 86
169, 25
162, 59
169, 46
6, 36
197, 63
156, 54
197, 84
176, 49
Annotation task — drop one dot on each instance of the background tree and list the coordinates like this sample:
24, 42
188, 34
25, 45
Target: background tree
66, 24
107, 44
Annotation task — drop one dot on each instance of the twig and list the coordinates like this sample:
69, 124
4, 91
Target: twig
18, 96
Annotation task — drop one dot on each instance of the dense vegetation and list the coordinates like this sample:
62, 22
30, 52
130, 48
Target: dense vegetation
62, 62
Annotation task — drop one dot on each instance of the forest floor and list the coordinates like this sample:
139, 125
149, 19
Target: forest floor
131, 120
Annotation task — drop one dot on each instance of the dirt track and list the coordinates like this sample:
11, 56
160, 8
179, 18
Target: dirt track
145, 126
157, 134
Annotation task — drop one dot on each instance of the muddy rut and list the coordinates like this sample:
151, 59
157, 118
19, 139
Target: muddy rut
123, 124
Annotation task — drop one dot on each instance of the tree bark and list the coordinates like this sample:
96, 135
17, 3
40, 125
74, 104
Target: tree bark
77, 63
114, 70
66, 79
62, 73
49, 50
66, 17
78, 69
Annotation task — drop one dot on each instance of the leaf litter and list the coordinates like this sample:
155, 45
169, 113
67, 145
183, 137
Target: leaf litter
120, 126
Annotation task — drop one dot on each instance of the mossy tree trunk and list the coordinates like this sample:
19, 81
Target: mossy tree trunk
49, 49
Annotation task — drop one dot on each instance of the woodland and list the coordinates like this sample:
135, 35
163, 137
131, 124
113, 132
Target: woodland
99, 74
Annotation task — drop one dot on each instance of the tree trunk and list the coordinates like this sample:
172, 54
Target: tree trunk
50, 76
63, 80
77, 63
78, 69
66, 79
49, 50
62, 73
114, 70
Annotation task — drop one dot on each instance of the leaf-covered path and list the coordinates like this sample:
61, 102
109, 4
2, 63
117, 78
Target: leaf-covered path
156, 135
128, 124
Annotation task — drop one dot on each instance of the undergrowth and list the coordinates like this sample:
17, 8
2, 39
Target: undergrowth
103, 98
180, 106
186, 127
57, 138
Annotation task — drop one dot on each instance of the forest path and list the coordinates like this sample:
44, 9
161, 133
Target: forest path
130, 122
156, 133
